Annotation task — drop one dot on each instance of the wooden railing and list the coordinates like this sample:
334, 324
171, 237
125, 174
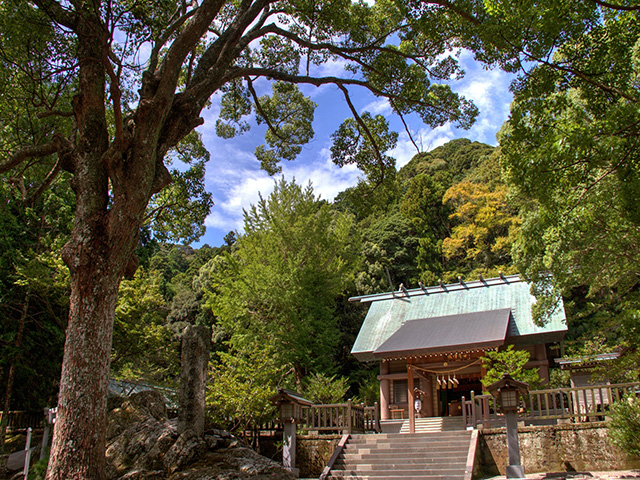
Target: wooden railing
340, 417
23, 420
579, 404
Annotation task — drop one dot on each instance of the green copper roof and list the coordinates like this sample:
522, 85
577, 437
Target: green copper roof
388, 311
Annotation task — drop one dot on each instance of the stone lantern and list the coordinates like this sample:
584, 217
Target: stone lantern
507, 390
289, 412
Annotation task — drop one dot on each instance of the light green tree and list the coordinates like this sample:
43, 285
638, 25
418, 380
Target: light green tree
511, 361
484, 230
143, 349
281, 281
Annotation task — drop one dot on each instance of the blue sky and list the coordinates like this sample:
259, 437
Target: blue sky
234, 177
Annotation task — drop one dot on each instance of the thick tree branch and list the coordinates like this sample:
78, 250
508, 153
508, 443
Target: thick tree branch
28, 152
225, 49
193, 31
170, 30
319, 81
57, 13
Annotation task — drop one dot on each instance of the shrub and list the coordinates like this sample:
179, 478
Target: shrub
625, 425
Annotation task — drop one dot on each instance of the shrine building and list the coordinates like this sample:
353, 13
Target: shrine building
429, 341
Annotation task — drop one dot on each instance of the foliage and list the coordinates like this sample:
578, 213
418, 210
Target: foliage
38, 469
456, 157
484, 228
511, 361
353, 143
570, 154
369, 391
33, 291
241, 383
323, 389
624, 427
388, 244
142, 344
281, 280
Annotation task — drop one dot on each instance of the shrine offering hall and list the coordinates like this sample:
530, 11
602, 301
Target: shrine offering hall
430, 341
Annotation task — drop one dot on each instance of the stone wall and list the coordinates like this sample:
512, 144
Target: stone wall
313, 453
554, 448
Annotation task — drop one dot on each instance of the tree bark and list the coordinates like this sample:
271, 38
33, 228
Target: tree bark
79, 441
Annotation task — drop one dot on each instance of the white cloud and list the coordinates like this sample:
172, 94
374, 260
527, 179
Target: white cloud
238, 189
378, 106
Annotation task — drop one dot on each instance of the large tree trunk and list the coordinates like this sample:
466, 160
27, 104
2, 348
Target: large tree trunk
79, 442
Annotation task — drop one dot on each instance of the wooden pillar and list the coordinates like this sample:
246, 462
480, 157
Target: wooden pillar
385, 392
411, 397
427, 401
543, 369
485, 404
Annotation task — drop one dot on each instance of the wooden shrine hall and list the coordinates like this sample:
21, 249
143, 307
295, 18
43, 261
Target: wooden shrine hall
429, 341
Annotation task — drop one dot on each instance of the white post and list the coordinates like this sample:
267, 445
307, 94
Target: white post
27, 454
289, 447
50, 414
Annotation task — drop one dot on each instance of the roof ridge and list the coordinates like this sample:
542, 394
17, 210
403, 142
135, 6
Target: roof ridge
403, 292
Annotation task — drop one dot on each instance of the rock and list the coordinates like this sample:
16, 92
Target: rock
188, 448
239, 463
144, 445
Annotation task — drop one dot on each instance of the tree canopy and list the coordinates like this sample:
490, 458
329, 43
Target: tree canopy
110, 92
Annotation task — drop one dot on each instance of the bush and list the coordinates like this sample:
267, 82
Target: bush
38, 470
325, 390
624, 426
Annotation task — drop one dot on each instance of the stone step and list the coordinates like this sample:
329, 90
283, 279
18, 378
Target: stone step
393, 477
419, 443
435, 423
404, 474
408, 437
444, 450
401, 464
393, 457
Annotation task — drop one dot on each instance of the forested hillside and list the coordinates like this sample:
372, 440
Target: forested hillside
286, 279
276, 296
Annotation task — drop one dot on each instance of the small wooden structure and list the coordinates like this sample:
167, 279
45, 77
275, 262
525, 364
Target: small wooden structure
290, 405
429, 341
507, 391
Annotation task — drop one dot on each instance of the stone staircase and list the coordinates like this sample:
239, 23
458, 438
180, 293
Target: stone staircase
435, 424
446, 455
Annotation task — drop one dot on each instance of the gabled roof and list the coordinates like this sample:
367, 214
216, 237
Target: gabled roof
448, 334
389, 311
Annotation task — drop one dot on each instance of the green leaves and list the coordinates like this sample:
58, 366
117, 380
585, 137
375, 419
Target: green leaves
499, 362
279, 285
363, 144
288, 115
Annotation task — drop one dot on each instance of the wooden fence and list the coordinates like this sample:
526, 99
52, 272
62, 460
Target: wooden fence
21, 420
340, 417
579, 404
